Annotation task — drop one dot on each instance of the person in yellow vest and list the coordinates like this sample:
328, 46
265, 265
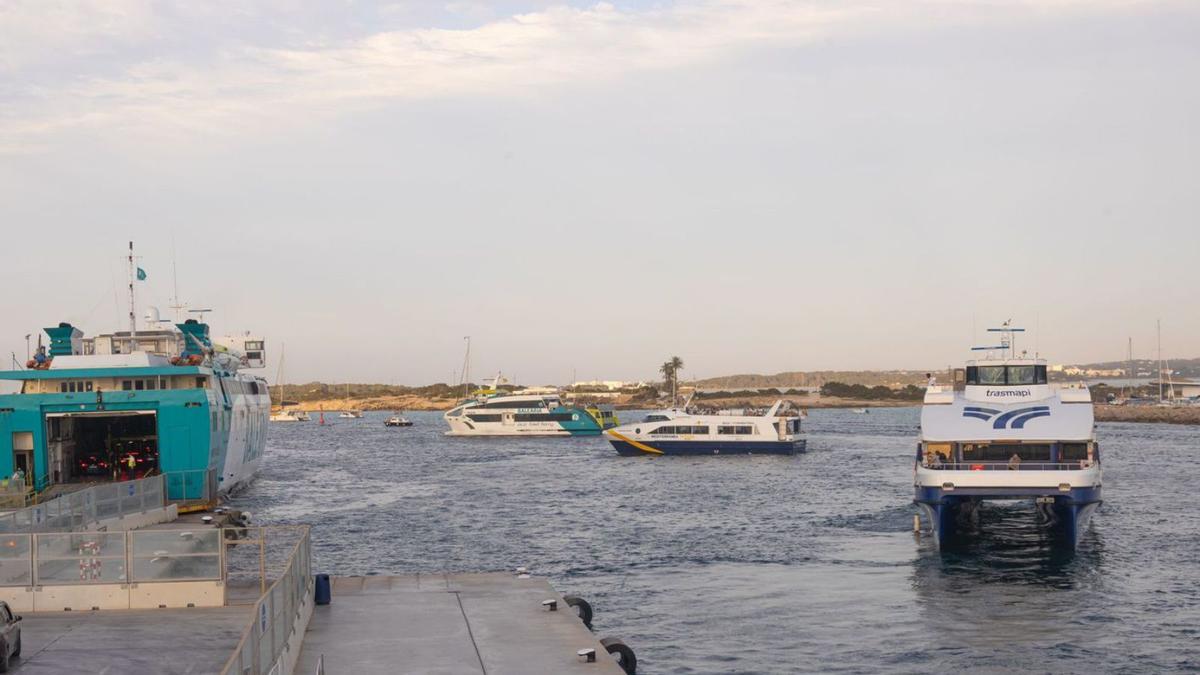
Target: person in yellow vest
131, 462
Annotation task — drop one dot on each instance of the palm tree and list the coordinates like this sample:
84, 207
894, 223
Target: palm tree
670, 371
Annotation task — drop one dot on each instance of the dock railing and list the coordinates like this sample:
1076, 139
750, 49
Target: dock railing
47, 559
83, 508
274, 625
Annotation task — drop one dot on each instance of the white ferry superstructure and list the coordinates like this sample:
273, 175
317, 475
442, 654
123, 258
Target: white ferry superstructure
1001, 431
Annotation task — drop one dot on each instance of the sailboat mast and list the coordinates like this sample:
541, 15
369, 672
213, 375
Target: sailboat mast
466, 379
1160, 387
279, 373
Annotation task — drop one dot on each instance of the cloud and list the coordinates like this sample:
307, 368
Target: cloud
250, 81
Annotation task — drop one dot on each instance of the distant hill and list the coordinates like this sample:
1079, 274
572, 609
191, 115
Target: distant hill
869, 378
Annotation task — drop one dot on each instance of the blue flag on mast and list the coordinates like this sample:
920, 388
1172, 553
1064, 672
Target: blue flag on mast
141, 274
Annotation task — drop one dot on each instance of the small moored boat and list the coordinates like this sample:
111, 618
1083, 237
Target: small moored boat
397, 420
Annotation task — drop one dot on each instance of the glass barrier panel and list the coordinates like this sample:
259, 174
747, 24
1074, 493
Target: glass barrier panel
149, 543
266, 654
16, 560
168, 567
77, 544
85, 570
84, 557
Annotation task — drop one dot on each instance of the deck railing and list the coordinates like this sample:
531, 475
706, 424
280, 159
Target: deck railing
1078, 465
273, 623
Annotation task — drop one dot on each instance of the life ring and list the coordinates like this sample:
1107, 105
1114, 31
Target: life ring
582, 608
624, 655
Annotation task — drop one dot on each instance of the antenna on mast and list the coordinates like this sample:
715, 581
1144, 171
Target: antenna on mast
176, 306
132, 296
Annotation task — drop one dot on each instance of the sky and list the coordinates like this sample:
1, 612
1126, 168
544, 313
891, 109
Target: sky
586, 189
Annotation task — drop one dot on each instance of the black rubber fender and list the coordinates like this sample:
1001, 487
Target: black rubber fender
582, 608
623, 653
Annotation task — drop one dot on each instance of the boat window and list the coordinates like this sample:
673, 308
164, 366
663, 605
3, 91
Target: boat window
1040, 374
735, 430
694, 431
657, 418
663, 431
483, 418
126, 385
1002, 452
1073, 451
1021, 375
991, 374
200, 382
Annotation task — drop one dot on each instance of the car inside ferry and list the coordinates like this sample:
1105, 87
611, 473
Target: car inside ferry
102, 446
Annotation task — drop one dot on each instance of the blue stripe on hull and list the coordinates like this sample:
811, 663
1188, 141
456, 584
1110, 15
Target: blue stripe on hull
947, 511
713, 448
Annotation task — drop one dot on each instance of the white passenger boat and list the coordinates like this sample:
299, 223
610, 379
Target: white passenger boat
676, 432
350, 414
504, 414
1002, 432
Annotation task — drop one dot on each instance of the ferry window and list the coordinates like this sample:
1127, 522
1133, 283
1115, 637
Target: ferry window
151, 384
1020, 375
738, 430
126, 385
200, 383
972, 375
254, 344
662, 431
700, 431
62, 387
139, 385
88, 385
1073, 452
1041, 374
657, 418
991, 374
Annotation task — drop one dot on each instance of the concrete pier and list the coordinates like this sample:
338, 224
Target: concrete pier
130, 642
448, 624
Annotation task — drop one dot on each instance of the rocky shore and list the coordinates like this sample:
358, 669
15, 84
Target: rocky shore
1148, 413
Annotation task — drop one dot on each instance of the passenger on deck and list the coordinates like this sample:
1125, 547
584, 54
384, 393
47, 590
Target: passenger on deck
931, 381
936, 461
1014, 462
40, 356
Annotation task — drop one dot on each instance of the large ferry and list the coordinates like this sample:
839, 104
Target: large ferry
162, 397
1000, 431
678, 432
493, 412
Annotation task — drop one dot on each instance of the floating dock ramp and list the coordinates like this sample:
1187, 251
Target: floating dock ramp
450, 623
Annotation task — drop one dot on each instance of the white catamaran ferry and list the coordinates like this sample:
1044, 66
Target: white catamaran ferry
491, 411
678, 432
1002, 432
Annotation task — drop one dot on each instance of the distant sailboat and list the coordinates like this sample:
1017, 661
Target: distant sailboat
283, 413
